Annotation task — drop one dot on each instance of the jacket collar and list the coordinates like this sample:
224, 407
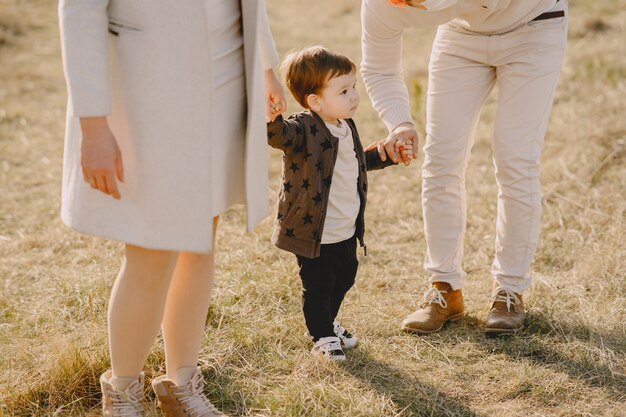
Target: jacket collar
322, 124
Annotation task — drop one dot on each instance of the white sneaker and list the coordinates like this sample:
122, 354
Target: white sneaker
330, 347
348, 341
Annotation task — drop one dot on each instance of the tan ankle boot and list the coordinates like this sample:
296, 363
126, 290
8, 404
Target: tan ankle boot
440, 304
507, 312
125, 403
187, 400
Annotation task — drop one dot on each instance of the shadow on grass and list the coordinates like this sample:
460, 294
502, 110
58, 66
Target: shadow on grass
544, 342
541, 339
413, 397
224, 392
539, 323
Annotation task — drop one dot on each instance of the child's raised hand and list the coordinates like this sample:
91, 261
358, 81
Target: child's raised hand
275, 102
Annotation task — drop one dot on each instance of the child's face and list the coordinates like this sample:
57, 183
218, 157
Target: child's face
338, 99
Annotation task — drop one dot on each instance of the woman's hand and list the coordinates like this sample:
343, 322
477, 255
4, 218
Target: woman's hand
274, 96
100, 157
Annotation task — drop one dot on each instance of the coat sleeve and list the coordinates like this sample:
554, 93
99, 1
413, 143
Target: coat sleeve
84, 46
373, 161
381, 65
269, 55
285, 135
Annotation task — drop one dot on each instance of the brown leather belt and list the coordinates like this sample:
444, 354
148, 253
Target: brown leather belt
550, 15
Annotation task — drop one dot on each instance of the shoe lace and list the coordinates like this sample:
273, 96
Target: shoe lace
126, 403
503, 295
433, 295
192, 397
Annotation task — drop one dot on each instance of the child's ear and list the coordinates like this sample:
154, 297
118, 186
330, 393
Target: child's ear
313, 100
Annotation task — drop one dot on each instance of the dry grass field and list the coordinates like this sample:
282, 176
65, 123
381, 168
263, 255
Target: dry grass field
569, 361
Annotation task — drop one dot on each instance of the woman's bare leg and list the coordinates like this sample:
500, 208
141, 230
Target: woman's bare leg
136, 309
186, 310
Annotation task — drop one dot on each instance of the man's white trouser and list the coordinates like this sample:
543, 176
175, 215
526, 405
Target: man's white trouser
464, 67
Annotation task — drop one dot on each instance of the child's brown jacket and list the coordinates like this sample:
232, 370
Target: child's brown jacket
310, 152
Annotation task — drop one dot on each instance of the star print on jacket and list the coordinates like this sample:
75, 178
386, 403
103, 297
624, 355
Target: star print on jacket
287, 186
308, 219
306, 184
294, 167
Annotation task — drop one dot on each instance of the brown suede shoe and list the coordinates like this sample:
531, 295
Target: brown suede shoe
507, 312
439, 305
187, 400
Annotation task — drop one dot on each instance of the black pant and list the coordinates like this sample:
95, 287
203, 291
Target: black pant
325, 281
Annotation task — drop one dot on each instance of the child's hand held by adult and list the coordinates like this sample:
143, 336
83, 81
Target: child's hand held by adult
398, 3
403, 3
100, 157
275, 103
404, 133
406, 151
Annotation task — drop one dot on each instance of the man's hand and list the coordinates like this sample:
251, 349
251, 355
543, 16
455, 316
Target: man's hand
404, 149
274, 96
402, 134
100, 157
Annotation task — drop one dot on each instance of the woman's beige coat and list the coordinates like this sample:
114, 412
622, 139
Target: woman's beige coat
146, 64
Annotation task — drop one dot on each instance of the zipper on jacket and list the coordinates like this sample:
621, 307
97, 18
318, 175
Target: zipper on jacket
327, 195
362, 197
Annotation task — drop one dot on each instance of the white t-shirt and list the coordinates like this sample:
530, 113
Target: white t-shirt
344, 201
